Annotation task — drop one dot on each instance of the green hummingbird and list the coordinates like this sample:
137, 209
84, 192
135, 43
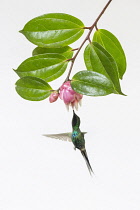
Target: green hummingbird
77, 138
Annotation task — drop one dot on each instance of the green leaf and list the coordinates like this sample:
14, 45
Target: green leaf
97, 59
92, 84
33, 89
46, 66
113, 46
65, 51
53, 30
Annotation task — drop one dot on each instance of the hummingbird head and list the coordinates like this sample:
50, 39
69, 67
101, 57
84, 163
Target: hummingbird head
75, 120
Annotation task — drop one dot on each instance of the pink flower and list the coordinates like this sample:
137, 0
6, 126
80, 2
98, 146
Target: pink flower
53, 97
69, 96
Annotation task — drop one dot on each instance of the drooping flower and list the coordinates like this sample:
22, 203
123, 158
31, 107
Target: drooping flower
69, 96
54, 96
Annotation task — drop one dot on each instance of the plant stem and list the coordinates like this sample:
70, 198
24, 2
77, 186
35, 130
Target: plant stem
87, 38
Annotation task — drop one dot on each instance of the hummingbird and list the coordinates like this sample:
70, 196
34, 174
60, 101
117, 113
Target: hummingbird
76, 137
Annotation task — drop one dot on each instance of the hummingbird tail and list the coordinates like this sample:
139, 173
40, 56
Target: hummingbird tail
84, 153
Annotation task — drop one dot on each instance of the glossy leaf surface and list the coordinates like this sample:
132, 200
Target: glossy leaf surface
33, 89
92, 84
65, 51
46, 66
97, 59
53, 30
113, 46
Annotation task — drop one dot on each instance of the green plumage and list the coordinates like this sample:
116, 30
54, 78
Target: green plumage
78, 139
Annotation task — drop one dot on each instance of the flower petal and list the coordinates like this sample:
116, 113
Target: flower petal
68, 97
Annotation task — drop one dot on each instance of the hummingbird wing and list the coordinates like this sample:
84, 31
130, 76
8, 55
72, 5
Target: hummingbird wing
60, 136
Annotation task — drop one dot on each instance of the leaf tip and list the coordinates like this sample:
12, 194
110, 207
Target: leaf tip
121, 93
14, 70
124, 94
21, 31
121, 77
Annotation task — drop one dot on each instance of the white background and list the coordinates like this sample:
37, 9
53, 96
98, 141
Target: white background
37, 173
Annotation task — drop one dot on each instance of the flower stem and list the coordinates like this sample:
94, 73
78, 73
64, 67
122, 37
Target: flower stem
87, 38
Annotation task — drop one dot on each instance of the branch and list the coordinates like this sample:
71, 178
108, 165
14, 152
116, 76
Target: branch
87, 38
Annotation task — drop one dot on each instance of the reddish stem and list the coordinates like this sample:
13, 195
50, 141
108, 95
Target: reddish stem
87, 38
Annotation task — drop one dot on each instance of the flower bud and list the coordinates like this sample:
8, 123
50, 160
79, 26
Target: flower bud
53, 97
